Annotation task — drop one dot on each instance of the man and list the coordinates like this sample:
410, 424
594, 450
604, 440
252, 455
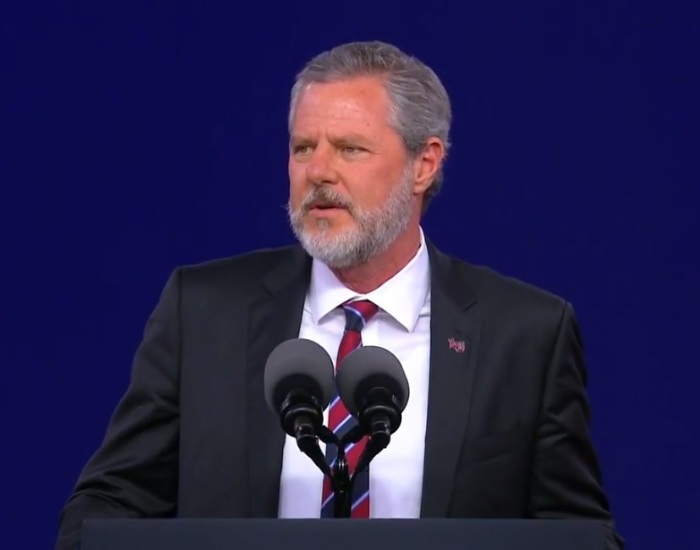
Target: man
497, 420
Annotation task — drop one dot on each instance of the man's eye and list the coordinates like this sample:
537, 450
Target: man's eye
301, 149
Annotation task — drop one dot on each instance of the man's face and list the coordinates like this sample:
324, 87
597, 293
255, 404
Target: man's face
351, 182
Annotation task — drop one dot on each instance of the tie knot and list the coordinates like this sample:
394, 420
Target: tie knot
358, 313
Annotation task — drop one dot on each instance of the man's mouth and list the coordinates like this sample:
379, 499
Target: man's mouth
324, 206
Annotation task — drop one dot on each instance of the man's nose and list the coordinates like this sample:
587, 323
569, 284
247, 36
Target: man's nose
321, 169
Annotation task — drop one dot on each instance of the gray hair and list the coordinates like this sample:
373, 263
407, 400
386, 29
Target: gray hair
419, 104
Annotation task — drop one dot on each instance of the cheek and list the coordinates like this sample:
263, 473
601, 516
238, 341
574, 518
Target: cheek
375, 189
297, 185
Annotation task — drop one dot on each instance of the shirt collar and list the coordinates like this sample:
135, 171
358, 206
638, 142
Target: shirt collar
403, 296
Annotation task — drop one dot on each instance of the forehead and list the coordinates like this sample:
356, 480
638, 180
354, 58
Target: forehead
359, 104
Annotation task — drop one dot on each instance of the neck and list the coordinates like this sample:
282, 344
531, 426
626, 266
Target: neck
374, 273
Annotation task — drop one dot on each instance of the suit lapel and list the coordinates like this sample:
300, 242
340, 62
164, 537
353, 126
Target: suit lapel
454, 340
274, 318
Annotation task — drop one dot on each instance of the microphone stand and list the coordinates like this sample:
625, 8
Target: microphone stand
339, 475
341, 481
343, 505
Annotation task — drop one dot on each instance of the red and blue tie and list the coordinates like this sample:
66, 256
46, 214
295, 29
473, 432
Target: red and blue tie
340, 421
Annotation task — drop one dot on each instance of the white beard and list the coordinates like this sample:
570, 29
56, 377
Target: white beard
374, 232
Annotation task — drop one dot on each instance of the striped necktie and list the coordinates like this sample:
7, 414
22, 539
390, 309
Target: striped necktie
357, 314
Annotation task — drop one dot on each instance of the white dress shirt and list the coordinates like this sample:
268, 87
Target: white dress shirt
402, 325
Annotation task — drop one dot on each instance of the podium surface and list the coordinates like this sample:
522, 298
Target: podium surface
342, 534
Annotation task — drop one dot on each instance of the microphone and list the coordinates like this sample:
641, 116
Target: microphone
373, 386
299, 384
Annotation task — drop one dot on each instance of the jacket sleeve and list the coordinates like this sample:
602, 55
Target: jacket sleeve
566, 480
133, 473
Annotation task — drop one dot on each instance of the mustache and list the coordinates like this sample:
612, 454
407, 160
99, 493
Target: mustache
327, 197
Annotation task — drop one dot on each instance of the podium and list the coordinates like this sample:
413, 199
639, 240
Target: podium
342, 534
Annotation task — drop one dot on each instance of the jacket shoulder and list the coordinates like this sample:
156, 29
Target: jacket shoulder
242, 270
502, 295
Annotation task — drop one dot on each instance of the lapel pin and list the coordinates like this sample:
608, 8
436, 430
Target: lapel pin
456, 345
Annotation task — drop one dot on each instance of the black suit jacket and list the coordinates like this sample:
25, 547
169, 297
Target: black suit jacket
507, 432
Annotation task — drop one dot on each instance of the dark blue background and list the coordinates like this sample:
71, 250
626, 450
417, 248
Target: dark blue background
140, 138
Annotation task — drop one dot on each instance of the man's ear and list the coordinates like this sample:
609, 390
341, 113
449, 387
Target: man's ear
426, 165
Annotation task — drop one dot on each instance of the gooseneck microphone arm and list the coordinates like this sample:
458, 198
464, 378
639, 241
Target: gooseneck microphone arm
338, 475
301, 416
379, 416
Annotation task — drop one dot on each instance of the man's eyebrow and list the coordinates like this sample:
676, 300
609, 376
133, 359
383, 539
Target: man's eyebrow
296, 139
353, 136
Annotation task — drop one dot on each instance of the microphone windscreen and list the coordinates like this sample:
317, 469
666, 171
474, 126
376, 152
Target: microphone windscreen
298, 364
370, 367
